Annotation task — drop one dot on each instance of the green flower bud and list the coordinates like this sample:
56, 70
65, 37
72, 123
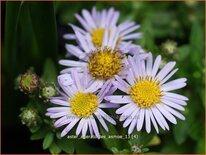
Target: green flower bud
29, 82
47, 91
169, 47
29, 117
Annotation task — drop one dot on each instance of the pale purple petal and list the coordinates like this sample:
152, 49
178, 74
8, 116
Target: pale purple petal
94, 86
72, 63
94, 126
69, 127
147, 121
132, 36
118, 99
108, 105
60, 102
132, 125
168, 76
174, 112
83, 22
166, 114
129, 30
87, 16
77, 81
141, 119
106, 116
80, 126
153, 120
178, 101
74, 50
172, 104
159, 116
165, 70
156, 65
69, 36
101, 120
59, 114
131, 117
58, 109
128, 107
176, 96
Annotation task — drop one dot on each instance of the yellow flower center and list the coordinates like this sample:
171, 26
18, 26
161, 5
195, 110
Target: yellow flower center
104, 64
145, 93
97, 37
83, 105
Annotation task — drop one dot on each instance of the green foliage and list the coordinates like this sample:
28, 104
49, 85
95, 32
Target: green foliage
66, 145
48, 139
54, 148
50, 71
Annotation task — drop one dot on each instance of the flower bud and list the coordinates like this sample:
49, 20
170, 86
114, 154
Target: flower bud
47, 91
139, 149
169, 47
29, 82
29, 116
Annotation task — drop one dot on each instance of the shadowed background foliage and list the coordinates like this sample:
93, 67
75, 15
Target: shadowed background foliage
32, 37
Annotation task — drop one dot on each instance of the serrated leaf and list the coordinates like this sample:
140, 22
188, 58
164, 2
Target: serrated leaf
54, 148
48, 139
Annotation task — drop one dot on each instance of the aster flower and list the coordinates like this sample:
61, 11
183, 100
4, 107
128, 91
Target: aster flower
96, 22
102, 63
149, 100
81, 103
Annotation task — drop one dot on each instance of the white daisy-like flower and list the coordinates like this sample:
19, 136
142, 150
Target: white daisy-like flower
149, 100
81, 103
102, 63
96, 22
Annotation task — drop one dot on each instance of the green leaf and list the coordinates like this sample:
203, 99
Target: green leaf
48, 139
54, 148
35, 128
115, 150
50, 71
39, 134
66, 145
58, 135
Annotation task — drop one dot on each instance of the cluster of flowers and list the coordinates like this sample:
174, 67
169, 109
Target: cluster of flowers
109, 61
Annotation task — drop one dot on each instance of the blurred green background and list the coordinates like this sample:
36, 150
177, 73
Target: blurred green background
32, 36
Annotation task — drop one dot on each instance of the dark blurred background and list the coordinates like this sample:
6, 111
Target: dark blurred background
32, 34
